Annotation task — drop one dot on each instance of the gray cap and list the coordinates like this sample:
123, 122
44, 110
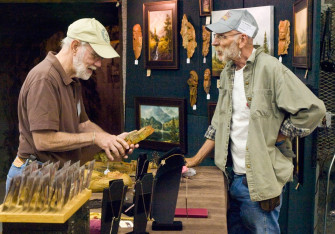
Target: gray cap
239, 20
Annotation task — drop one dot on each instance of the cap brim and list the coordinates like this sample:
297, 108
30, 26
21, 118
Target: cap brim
218, 28
105, 51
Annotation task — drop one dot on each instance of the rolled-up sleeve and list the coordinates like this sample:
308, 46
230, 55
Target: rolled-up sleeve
210, 133
304, 110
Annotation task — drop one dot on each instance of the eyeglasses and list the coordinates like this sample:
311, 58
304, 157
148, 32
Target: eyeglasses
223, 36
94, 55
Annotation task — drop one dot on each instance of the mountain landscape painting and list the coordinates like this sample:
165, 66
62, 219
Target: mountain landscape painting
165, 121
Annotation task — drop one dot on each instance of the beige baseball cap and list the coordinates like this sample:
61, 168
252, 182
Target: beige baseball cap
94, 33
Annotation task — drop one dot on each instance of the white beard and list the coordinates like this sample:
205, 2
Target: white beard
227, 54
81, 71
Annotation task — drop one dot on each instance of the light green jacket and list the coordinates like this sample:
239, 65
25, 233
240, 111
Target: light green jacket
273, 94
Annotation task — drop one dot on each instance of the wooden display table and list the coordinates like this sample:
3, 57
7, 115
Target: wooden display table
205, 190
73, 217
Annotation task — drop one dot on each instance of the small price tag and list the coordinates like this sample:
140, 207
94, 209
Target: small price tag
217, 83
136, 62
306, 73
188, 60
148, 72
204, 61
208, 20
126, 224
194, 107
208, 96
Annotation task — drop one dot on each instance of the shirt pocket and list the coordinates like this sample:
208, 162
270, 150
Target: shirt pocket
224, 98
261, 106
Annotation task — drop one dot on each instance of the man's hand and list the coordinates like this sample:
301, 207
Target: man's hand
204, 151
285, 146
131, 147
114, 146
281, 137
192, 162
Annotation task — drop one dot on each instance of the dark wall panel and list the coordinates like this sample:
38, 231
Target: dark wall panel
298, 205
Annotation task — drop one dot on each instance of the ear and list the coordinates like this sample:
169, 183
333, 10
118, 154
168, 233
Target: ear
74, 46
243, 41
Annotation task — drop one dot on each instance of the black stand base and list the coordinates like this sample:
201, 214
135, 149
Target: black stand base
137, 232
175, 226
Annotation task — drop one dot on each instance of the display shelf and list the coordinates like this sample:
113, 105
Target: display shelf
18, 216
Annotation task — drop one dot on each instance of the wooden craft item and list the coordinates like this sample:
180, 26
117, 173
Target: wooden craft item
193, 85
188, 34
207, 80
206, 37
100, 181
136, 136
53, 216
284, 37
137, 40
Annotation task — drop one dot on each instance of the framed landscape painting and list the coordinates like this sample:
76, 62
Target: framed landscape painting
205, 7
302, 40
167, 117
160, 35
265, 36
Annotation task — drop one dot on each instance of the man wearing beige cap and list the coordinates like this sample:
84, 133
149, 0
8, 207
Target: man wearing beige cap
261, 105
53, 123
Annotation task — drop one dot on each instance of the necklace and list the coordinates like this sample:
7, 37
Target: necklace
143, 201
163, 161
124, 188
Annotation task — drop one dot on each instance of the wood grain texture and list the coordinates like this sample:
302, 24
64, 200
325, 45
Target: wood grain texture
19, 216
204, 190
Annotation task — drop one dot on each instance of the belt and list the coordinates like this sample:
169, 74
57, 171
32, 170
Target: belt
18, 161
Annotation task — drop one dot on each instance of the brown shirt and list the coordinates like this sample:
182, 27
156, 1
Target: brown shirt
49, 100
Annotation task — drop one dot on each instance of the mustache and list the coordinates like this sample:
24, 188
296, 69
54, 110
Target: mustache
93, 67
218, 49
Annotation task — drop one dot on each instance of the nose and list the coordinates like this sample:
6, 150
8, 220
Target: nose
215, 42
98, 63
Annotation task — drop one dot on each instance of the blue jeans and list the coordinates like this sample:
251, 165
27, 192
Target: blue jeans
13, 171
246, 216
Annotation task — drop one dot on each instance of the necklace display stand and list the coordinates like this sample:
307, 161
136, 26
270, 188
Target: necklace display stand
165, 191
143, 190
142, 165
112, 202
141, 170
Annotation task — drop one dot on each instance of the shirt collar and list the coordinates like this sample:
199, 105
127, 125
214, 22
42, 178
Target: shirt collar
254, 54
53, 59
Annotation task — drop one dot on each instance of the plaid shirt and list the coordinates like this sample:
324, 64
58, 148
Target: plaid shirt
287, 129
210, 133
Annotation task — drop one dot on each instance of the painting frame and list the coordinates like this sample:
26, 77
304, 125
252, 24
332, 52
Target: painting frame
302, 26
211, 109
298, 145
202, 9
152, 15
147, 102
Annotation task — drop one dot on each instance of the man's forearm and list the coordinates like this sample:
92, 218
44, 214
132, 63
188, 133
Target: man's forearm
203, 152
61, 141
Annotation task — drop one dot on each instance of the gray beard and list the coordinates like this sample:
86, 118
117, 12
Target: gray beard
230, 53
79, 66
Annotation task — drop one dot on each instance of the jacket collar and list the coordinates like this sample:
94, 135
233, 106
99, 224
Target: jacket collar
231, 66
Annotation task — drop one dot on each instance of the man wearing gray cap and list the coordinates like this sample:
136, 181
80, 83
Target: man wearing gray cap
53, 123
261, 105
